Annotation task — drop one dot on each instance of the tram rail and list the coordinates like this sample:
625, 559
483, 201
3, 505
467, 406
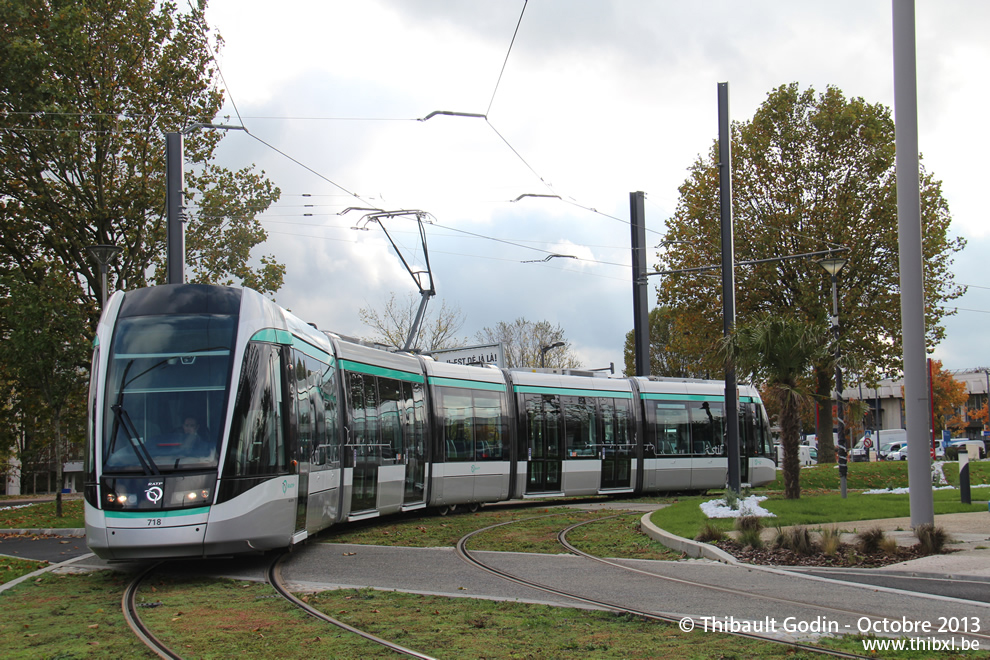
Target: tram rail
668, 617
275, 580
128, 605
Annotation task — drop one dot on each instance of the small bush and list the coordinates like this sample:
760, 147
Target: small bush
750, 538
889, 545
779, 537
731, 499
710, 533
745, 523
831, 541
932, 539
799, 541
868, 542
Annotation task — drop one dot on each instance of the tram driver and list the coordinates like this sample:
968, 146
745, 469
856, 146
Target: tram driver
189, 444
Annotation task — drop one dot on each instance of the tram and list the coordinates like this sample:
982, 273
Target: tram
220, 423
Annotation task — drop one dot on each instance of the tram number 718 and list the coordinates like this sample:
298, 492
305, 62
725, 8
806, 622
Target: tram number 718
154, 522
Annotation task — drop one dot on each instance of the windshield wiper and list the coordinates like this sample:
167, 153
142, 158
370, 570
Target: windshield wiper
143, 455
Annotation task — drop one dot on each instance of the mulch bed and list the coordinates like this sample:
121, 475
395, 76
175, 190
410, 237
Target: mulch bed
847, 556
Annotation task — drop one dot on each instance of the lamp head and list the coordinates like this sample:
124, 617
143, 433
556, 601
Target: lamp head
833, 265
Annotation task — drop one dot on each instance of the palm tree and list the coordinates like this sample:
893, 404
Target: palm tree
777, 350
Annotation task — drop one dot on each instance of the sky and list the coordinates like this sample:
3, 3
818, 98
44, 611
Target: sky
588, 101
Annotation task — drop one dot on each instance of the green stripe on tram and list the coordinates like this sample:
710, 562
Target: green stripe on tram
469, 384
663, 396
372, 370
567, 391
273, 336
152, 513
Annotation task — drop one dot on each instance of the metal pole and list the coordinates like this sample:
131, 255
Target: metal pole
728, 283
173, 199
641, 302
911, 263
103, 277
839, 413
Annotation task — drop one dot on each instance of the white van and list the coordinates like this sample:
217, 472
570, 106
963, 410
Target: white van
882, 437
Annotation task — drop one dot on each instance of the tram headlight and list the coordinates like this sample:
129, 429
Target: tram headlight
192, 497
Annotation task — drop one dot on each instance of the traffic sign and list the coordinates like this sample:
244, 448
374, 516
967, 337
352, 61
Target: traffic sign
868, 443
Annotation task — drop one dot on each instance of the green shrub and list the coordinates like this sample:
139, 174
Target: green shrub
932, 539
710, 533
831, 541
744, 523
751, 538
868, 541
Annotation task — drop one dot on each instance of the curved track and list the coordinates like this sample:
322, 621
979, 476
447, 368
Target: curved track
669, 617
275, 579
128, 604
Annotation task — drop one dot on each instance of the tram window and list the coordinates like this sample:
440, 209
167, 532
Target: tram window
543, 417
458, 424
390, 405
489, 426
257, 447
328, 394
615, 415
672, 430
580, 427
706, 429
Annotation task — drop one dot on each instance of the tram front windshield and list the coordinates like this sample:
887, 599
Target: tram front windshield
166, 392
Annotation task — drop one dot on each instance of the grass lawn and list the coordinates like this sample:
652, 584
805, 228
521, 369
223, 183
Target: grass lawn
813, 509
42, 516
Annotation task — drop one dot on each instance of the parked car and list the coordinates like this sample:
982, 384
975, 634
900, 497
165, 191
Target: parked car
882, 437
893, 451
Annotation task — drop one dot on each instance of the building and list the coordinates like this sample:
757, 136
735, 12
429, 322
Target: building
888, 399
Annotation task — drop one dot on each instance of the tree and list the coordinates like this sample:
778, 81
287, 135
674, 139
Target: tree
665, 360
809, 172
87, 91
437, 332
45, 346
522, 340
776, 350
949, 396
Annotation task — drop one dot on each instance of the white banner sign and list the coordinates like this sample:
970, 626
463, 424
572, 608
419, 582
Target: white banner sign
476, 355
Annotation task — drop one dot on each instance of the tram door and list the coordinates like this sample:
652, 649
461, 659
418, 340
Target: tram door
415, 443
545, 443
363, 448
617, 445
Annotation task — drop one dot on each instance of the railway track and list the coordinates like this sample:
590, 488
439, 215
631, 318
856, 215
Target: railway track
129, 606
668, 617
275, 579
130, 609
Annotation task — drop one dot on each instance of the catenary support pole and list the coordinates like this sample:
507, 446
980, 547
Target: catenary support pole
176, 256
641, 301
916, 404
728, 283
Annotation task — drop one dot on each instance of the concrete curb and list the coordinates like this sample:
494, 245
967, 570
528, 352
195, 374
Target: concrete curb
65, 531
687, 546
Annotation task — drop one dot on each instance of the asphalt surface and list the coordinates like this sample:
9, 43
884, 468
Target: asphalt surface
53, 549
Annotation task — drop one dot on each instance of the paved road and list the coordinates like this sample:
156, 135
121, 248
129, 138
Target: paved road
51, 549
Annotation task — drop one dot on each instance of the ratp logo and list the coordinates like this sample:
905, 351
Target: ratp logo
153, 494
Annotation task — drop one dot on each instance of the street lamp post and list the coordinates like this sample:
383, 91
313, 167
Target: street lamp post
543, 352
103, 255
833, 266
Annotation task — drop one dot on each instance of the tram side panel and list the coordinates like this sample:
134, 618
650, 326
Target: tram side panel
577, 436
385, 459
471, 435
685, 444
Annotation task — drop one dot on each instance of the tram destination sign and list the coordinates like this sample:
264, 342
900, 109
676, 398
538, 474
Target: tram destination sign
473, 355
